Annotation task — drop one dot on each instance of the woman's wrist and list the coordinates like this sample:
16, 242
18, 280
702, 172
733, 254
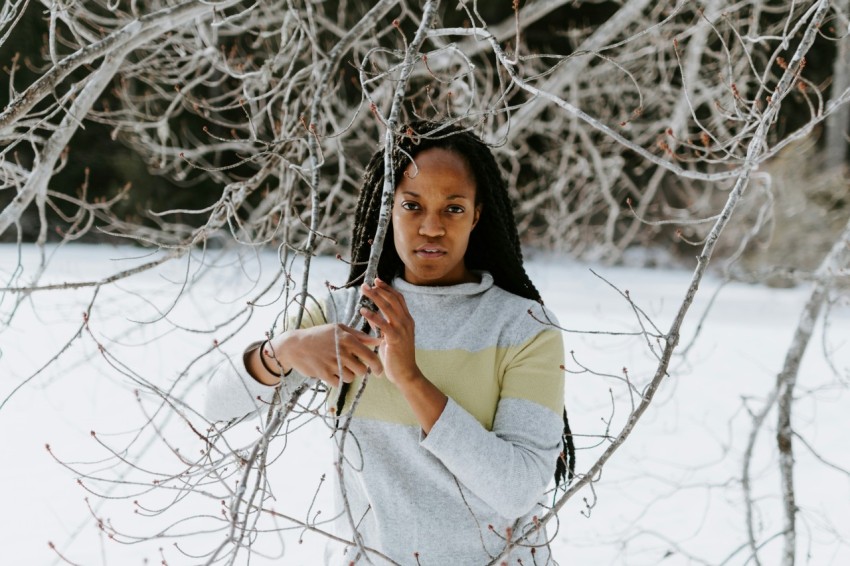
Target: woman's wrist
408, 378
264, 360
266, 354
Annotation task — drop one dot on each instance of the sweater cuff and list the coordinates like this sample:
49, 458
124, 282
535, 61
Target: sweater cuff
232, 392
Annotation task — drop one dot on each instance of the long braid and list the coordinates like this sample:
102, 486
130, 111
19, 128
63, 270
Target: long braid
494, 244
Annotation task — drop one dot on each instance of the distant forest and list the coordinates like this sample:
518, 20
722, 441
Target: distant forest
562, 200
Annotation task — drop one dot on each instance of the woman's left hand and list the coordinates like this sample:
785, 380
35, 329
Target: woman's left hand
398, 344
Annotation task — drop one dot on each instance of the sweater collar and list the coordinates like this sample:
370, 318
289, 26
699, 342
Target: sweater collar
459, 289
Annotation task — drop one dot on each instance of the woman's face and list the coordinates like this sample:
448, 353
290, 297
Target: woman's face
434, 212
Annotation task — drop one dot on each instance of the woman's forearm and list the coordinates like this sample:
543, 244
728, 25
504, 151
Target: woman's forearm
329, 352
424, 398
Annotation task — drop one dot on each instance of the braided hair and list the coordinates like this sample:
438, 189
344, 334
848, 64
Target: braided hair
493, 245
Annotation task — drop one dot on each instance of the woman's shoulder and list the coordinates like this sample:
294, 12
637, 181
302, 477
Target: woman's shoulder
519, 317
335, 305
515, 303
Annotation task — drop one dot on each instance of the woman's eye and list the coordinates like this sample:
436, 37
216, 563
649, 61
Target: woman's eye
455, 209
407, 205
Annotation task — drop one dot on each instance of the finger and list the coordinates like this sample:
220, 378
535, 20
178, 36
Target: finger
386, 330
354, 366
386, 303
347, 375
383, 285
392, 294
362, 347
362, 337
331, 380
375, 320
368, 355
371, 361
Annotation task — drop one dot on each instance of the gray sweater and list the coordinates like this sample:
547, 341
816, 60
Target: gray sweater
455, 495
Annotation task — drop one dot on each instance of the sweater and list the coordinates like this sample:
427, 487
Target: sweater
455, 495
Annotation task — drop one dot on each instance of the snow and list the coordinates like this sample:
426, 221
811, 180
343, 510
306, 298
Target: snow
670, 495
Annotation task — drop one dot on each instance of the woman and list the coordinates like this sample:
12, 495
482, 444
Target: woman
459, 429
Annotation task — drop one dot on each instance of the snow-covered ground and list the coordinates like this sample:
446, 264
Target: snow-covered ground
671, 495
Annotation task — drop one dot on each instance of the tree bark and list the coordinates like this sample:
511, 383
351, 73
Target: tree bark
787, 380
838, 123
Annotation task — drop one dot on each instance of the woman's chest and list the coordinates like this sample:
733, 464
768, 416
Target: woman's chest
471, 378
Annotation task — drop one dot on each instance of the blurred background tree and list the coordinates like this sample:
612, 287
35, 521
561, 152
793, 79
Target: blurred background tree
160, 106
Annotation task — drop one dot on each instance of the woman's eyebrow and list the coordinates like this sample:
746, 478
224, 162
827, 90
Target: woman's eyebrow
449, 197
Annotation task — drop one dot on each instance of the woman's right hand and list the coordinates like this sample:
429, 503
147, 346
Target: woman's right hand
312, 352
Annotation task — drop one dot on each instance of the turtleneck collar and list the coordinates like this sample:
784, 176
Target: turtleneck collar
459, 289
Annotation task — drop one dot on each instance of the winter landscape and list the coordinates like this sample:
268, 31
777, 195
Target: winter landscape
174, 174
671, 495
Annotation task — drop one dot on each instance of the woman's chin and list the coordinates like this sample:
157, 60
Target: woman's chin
436, 277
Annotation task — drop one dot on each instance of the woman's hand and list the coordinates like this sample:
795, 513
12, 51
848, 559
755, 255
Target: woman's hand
313, 352
393, 320
398, 353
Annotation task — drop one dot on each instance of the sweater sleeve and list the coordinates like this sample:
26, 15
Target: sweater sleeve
509, 467
233, 393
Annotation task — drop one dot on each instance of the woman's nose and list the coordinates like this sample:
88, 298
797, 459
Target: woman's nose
431, 226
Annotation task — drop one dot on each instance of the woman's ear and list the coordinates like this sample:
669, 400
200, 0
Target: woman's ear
477, 215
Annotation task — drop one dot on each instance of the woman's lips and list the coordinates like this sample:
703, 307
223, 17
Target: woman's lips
428, 252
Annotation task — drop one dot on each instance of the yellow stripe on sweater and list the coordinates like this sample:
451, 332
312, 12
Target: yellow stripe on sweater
475, 380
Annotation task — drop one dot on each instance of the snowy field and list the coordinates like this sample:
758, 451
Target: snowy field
672, 495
